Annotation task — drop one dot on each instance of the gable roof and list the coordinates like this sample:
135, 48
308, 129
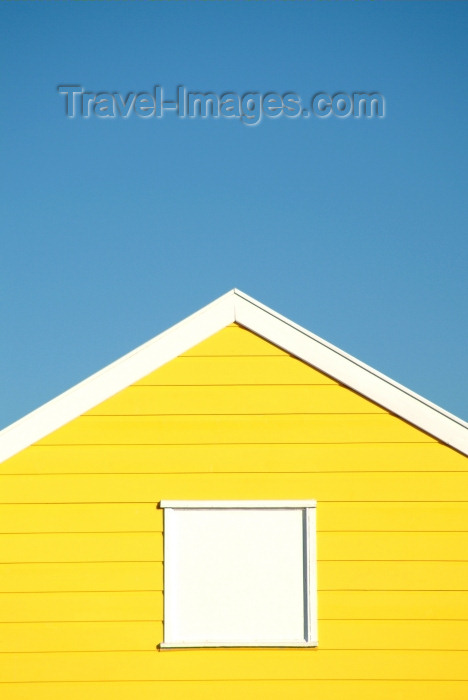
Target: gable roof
235, 306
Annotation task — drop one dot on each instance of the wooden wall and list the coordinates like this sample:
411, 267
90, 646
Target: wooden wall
235, 418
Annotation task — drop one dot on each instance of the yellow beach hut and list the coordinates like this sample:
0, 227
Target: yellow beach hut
235, 509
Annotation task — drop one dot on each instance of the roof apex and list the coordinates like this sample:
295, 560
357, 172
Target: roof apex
234, 306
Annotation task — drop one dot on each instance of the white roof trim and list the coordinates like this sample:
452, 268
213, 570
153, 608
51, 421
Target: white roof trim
238, 307
351, 372
117, 376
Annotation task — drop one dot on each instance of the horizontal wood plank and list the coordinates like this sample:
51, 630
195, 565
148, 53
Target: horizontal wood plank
393, 605
395, 516
247, 400
224, 664
350, 689
394, 634
206, 371
144, 636
81, 606
411, 546
331, 516
148, 546
332, 576
95, 546
82, 576
80, 636
81, 517
232, 458
393, 575
152, 488
147, 605
153, 430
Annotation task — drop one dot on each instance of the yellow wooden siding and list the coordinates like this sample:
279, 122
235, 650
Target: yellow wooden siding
236, 458
385, 575
234, 370
224, 664
78, 546
147, 546
394, 516
45, 577
233, 418
147, 488
329, 689
239, 400
76, 606
347, 604
270, 428
131, 635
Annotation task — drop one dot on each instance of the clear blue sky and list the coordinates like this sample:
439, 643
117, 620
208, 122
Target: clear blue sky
113, 230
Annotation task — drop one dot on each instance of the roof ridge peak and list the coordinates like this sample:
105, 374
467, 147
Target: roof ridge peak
235, 306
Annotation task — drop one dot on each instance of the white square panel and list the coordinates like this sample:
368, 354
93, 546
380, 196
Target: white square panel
238, 575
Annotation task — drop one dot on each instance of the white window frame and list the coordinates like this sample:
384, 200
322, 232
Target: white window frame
308, 508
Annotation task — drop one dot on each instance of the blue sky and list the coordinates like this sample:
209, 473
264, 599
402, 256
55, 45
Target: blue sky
113, 230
